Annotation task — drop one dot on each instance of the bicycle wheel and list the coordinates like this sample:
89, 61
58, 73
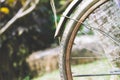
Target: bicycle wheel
80, 23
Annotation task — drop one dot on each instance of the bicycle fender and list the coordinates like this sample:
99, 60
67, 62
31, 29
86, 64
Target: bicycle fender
63, 19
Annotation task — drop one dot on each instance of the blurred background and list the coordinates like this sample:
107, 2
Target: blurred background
25, 44
28, 50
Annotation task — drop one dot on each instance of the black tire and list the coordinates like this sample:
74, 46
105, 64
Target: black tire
84, 9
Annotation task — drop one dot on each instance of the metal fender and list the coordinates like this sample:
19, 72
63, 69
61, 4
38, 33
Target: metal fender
63, 19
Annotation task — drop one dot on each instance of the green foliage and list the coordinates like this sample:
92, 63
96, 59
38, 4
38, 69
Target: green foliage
44, 1
28, 34
83, 31
27, 78
37, 33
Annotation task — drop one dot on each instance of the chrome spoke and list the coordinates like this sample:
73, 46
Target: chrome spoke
88, 75
88, 57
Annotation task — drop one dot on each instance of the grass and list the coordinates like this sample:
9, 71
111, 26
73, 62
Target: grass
95, 67
49, 76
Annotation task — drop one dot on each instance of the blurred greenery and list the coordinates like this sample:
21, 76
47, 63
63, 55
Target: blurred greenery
30, 33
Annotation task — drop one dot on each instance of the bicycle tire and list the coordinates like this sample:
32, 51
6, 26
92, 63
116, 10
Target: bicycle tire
86, 7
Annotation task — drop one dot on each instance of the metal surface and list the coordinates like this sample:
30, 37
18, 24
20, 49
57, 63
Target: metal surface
84, 11
88, 75
67, 12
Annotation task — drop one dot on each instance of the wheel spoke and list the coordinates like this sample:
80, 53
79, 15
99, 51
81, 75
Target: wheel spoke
88, 75
88, 57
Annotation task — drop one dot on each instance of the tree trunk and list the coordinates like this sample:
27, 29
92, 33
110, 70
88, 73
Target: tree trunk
107, 19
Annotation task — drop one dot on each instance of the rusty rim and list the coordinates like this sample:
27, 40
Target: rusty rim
73, 34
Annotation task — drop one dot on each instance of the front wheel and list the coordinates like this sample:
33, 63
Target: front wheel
79, 43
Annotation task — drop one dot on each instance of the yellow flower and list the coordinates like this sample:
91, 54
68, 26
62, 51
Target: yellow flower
4, 10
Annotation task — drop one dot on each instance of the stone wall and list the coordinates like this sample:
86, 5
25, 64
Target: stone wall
47, 60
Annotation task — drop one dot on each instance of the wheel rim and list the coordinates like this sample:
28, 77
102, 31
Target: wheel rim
68, 52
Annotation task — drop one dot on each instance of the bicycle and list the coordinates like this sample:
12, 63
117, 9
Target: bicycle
80, 15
